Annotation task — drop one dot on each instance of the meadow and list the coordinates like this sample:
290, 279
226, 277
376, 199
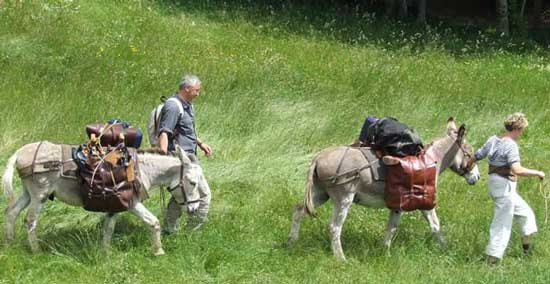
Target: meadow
280, 82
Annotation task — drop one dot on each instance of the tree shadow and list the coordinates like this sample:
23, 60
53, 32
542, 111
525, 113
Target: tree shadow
360, 23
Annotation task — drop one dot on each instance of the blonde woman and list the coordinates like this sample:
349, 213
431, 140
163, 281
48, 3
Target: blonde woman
504, 167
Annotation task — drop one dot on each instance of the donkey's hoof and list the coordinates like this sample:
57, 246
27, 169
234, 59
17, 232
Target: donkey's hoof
7, 241
290, 242
159, 252
341, 259
36, 249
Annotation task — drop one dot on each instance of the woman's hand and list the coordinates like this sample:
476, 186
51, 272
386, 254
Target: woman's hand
541, 175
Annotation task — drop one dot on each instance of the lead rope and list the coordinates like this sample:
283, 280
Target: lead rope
546, 195
162, 204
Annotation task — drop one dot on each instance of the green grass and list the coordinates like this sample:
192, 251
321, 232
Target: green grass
280, 83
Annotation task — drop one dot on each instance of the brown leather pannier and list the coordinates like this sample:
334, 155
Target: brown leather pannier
410, 184
110, 134
109, 182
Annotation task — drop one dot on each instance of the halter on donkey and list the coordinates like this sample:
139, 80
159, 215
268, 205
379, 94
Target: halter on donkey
182, 175
451, 151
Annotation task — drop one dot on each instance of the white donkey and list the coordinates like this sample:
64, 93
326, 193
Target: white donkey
181, 174
358, 185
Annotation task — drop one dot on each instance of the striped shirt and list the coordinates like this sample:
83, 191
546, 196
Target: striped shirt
499, 151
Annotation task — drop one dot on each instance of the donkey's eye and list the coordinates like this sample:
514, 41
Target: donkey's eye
192, 183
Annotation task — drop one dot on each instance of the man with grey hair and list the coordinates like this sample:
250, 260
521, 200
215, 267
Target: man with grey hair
177, 126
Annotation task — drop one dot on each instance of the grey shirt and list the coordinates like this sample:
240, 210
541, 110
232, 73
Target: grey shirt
183, 126
499, 151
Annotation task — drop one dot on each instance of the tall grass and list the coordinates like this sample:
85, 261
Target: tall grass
280, 83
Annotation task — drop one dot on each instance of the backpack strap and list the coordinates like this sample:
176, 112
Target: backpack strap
180, 108
178, 103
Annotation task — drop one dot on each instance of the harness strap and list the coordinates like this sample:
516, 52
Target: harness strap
353, 173
33, 164
102, 160
340, 164
180, 186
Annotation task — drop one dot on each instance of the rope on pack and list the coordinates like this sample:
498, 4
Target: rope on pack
545, 193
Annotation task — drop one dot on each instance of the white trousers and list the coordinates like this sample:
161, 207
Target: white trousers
195, 220
508, 206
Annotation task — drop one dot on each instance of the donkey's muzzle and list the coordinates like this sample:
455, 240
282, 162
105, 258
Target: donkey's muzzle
192, 207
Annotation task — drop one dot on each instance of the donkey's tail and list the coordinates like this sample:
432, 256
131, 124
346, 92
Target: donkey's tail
7, 179
308, 200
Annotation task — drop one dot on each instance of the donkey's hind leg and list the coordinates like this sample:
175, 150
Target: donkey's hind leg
391, 228
319, 198
108, 229
433, 221
32, 223
38, 187
13, 212
148, 217
342, 203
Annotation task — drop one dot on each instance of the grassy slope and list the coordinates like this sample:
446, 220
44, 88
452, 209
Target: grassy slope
278, 86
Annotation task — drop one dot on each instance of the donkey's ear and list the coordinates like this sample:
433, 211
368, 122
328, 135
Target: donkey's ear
182, 155
461, 134
451, 124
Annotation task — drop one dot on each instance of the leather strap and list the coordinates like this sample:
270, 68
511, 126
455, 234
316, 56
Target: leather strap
34, 158
505, 172
340, 164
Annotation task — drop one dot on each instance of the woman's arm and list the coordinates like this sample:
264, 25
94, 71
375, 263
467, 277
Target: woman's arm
518, 170
483, 151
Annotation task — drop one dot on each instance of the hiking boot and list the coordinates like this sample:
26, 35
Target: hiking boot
492, 260
527, 249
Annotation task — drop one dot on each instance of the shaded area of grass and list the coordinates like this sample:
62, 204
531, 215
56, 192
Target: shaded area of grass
361, 23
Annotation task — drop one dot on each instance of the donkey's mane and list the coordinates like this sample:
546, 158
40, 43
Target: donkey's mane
445, 136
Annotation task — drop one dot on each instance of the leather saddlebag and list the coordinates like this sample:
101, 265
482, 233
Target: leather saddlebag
410, 184
108, 182
110, 134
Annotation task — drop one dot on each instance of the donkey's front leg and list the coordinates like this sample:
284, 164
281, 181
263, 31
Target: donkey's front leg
391, 228
108, 229
153, 221
433, 221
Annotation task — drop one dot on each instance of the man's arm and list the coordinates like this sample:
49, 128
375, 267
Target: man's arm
163, 142
168, 121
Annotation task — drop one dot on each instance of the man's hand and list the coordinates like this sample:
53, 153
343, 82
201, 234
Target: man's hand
541, 175
206, 149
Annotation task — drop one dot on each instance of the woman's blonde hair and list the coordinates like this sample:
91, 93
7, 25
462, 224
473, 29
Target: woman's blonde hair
516, 120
